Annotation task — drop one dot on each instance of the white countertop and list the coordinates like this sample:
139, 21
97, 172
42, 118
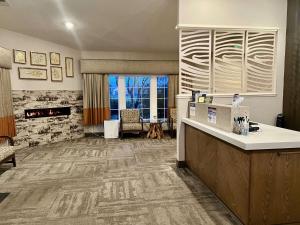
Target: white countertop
269, 137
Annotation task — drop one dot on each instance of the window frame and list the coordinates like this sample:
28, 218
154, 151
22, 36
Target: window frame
140, 97
165, 97
110, 98
153, 111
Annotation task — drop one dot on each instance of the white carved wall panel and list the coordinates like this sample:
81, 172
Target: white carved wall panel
228, 61
195, 60
260, 61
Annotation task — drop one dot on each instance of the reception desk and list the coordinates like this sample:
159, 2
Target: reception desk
256, 176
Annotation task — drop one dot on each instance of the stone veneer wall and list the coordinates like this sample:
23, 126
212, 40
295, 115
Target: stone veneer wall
38, 131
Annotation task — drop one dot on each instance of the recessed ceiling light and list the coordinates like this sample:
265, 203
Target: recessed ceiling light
4, 3
69, 25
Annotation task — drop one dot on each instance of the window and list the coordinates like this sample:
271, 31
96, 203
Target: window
162, 97
138, 94
114, 97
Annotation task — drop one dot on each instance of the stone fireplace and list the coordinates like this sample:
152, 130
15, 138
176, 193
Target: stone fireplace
44, 117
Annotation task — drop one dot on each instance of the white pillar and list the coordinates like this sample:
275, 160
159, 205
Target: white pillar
182, 112
122, 92
153, 97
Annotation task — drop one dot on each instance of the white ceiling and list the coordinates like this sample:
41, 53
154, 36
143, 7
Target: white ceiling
100, 25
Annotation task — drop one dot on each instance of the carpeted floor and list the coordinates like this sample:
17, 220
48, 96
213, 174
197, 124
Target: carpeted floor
95, 181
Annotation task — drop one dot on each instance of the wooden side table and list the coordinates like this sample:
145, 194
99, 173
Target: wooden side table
155, 130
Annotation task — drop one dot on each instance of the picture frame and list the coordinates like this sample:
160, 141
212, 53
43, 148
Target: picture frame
26, 73
54, 58
56, 73
69, 66
38, 59
19, 56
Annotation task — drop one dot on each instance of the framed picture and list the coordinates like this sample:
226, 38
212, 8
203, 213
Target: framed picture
38, 59
32, 73
56, 73
20, 56
69, 67
54, 58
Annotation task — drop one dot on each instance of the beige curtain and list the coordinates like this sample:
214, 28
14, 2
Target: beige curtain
172, 90
95, 99
7, 118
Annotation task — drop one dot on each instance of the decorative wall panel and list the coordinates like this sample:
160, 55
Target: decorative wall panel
260, 60
32, 132
195, 60
228, 61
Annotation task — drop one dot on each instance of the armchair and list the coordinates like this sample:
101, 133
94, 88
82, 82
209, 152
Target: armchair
130, 121
172, 122
7, 151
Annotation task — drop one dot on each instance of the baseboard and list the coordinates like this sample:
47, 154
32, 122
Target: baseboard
97, 134
181, 164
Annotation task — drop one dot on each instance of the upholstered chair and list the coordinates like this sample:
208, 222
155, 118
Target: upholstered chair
130, 121
7, 150
172, 122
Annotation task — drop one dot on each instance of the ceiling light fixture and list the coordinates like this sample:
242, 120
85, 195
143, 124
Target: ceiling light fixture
4, 3
69, 25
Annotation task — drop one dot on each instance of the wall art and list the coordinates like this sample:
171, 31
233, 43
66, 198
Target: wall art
56, 73
19, 56
69, 67
38, 59
54, 58
32, 73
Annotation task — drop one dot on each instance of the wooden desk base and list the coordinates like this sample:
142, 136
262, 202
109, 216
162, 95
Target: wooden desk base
260, 187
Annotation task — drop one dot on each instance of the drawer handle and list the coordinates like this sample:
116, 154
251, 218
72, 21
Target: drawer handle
288, 153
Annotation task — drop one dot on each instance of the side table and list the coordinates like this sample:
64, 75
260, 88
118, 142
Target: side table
155, 130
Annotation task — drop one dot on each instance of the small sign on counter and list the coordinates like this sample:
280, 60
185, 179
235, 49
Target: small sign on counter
192, 110
212, 115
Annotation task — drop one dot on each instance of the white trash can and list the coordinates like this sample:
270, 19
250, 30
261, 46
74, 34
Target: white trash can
111, 129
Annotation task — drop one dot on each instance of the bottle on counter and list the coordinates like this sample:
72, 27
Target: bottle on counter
245, 127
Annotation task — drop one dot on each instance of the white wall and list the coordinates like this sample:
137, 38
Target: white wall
254, 13
12, 40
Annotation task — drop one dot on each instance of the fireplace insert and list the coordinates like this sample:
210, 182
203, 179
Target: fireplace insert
47, 112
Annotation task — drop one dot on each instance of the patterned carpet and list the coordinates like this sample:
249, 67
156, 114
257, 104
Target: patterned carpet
95, 181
